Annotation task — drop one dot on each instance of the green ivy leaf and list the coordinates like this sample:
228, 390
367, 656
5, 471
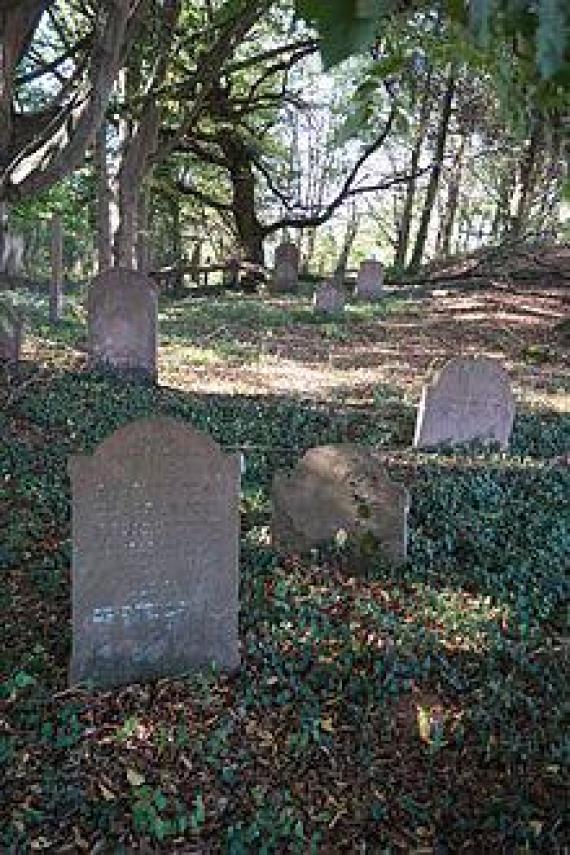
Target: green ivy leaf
346, 27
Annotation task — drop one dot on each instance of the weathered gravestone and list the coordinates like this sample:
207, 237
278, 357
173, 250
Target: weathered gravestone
369, 281
329, 299
286, 269
11, 325
122, 310
155, 527
339, 488
469, 399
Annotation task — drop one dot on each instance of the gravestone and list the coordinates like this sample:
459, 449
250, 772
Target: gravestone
339, 488
286, 269
329, 299
469, 399
155, 527
122, 309
369, 281
11, 325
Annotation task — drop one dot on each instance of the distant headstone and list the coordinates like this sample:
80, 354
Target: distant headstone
339, 488
329, 299
469, 399
286, 269
122, 310
11, 325
155, 527
370, 280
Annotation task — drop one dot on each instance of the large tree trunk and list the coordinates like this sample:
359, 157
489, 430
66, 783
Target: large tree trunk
249, 229
433, 183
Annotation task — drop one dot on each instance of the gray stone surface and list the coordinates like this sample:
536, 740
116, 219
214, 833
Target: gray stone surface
339, 488
155, 526
286, 269
469, 399
11, 325
370, 280
329, 299
122, 310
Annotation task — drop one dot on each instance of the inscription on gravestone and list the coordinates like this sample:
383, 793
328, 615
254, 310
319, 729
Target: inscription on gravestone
122, 310
155, 555
469, 399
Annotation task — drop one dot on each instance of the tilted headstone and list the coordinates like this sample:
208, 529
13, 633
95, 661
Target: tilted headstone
469, 399
155, 527
286, 269
11, 325
339, 488
122, 310
329, 299
370, 280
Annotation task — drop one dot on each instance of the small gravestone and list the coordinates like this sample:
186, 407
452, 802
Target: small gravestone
469, 399
339, 488
11, 325
286, 269
329, 299
122, 310
370, 280
155, 526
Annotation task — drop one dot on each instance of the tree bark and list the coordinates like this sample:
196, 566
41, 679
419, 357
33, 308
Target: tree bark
56, 285
406, 220
450, 215
103, 227
433, 183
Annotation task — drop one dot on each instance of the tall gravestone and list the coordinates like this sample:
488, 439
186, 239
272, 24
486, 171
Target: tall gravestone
11, 326
369, 281
122, 309
469, 399
339, 488
286, 269
155, 526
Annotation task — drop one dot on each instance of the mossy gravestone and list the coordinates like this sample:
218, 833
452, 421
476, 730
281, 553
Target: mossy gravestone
469, 399
122, 318
155, 525
340, 490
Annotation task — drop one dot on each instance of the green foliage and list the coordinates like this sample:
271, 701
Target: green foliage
348, 26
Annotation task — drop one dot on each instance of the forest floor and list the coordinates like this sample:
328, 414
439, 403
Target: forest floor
420, 708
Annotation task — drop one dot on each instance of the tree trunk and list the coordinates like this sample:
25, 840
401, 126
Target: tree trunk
403, 240
56, 285
450, 215
433, 184
103, 228
528, 173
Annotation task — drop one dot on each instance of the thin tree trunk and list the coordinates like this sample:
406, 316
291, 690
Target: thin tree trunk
528, 176
56, 285
405, 225
103, 228
433, 184
452, 201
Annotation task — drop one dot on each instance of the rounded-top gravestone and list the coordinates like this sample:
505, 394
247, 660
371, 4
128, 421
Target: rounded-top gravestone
469, 399
328, 299
286, 268
122, 311
155, 533
339, 488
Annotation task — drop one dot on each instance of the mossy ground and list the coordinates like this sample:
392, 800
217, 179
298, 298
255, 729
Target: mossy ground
421, 708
